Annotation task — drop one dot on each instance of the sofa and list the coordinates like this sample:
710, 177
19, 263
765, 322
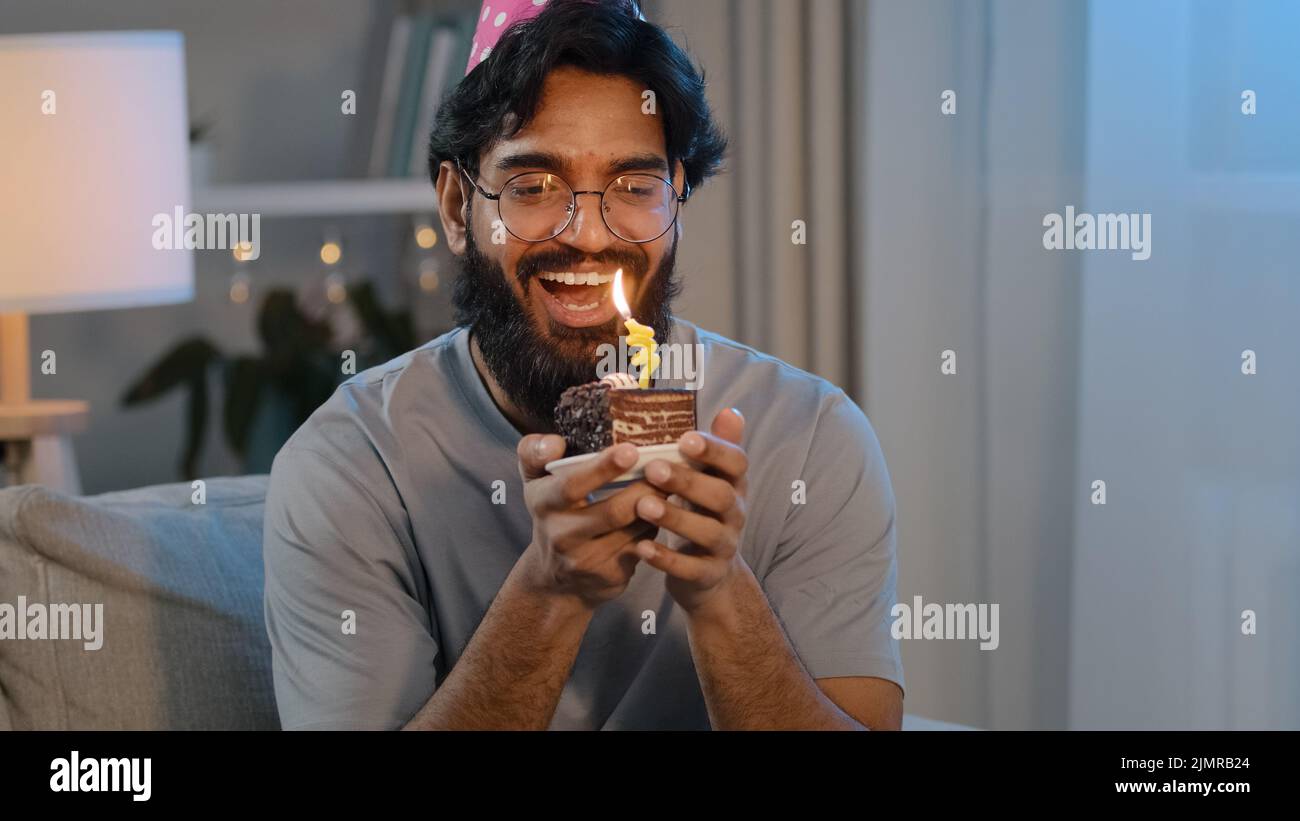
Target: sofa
178, 571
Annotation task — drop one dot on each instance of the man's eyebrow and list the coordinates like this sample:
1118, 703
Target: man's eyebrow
639, 162
532, 159
559, 165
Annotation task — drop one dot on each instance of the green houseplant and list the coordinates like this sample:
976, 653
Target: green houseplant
267, 397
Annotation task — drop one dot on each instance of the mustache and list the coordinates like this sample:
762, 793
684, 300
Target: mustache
533, 366
635, 264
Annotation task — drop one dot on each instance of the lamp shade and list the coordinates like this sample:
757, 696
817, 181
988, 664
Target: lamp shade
93, 146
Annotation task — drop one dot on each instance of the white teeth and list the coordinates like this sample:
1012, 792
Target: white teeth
571, 278
572, 307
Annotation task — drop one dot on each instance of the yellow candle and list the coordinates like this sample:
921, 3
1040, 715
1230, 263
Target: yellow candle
641, 337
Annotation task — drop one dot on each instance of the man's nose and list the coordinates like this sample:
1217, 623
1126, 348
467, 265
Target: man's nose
587, 231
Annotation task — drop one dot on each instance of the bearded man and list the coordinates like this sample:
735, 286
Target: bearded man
423, 568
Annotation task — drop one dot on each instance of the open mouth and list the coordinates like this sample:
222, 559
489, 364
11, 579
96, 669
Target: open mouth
578, 299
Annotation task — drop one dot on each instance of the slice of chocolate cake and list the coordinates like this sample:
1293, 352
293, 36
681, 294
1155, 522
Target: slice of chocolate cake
593, 416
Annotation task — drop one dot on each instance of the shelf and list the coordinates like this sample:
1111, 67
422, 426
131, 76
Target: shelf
319, 198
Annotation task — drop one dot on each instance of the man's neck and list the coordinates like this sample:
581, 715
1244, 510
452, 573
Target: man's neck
523, 423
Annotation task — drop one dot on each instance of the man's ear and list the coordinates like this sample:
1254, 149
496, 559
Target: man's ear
451, 206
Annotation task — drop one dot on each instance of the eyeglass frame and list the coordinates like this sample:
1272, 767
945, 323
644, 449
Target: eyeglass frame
573, 202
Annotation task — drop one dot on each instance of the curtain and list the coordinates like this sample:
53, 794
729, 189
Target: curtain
923, 235
766, 258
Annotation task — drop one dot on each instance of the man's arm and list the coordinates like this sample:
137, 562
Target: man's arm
514, 669
752, 678
353, 638
877, 703
515, 666
353, 634
834, 587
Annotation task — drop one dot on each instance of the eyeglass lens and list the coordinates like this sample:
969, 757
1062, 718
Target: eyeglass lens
637, 207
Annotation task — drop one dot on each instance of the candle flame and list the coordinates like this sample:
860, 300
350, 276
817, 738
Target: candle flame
620, 301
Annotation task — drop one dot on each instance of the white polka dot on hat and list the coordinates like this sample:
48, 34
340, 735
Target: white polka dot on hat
494, 19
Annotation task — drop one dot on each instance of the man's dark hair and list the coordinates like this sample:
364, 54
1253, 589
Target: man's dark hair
501, 95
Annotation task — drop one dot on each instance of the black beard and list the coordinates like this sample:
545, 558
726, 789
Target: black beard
533, 367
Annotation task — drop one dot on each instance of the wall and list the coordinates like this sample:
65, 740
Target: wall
268, 76
1201, 461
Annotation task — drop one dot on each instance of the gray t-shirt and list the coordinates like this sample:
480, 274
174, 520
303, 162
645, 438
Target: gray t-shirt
386, 540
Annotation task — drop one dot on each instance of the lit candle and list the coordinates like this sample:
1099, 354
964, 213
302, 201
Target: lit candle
641, 337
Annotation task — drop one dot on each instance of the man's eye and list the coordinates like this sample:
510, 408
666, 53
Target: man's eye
636, 191
536, 193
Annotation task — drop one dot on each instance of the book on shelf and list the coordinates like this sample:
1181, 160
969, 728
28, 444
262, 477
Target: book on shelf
408, 101
385, 57
442, 51
414, 56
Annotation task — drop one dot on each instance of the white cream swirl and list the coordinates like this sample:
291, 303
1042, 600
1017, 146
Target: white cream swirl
618, 380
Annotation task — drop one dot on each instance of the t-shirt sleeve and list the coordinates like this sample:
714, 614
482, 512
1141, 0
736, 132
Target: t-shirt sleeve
346, 608
834, 577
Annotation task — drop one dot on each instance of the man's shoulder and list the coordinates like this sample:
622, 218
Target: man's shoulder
431, 356
733, 369
364, 404
789, 412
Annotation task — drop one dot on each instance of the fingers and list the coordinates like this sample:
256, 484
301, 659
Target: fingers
674, 563
583, 556
712, 493
572, 488
721, 455
606, 516
621, 540
534, 451
729, 425
705, 532
590, 537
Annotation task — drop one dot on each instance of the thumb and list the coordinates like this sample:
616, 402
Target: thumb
534, 451
729, 425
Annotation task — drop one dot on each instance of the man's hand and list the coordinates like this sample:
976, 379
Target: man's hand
749, 672
581, 548
714, 486
513, 671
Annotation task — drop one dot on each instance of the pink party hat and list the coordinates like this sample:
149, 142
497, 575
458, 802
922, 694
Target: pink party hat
494, 18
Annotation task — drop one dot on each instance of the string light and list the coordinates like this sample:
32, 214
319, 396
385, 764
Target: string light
330, 252
425, 236
240, 288
335, 289
428, 274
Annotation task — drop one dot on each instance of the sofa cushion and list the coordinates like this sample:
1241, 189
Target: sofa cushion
183, 638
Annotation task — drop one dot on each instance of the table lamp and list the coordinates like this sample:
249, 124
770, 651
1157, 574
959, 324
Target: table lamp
93, 144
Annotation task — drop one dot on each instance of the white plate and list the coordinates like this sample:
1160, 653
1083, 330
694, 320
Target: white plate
645, 453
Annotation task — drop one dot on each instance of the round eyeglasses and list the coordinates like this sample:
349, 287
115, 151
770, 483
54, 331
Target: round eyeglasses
537, 205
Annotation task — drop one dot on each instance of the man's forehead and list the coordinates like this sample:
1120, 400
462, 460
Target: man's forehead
568, 89
586, 122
